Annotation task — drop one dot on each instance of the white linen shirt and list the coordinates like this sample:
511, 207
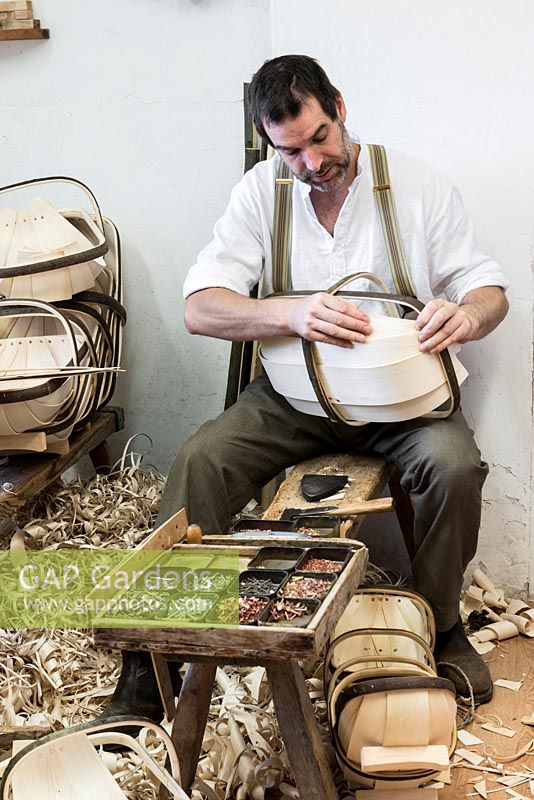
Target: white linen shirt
441, 251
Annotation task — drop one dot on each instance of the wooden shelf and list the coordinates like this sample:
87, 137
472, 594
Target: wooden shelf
30, 33
29, 473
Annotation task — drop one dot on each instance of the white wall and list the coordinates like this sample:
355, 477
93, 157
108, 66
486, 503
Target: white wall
142, 100
452, 82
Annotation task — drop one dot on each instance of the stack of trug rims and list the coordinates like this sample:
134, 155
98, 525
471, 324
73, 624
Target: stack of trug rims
61, 316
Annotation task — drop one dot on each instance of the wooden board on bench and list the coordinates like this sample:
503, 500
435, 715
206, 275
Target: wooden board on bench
368, 476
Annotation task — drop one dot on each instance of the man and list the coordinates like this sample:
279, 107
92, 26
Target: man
336, 232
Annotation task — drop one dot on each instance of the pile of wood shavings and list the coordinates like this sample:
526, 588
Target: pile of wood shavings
109, 511
56, 678
53, 678
55, 668
491, 617
243, 755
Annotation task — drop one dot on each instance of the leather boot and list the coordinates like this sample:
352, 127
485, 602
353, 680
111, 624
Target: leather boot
453, 647
137, 692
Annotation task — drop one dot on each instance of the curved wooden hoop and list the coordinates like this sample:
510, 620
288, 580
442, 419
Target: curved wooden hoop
90, 254
322, 391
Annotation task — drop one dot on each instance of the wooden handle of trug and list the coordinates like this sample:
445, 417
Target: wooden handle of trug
194, 534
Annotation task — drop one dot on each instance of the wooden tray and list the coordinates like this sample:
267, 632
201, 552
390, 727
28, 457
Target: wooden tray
246, 641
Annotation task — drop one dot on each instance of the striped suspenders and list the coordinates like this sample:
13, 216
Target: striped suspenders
388, 219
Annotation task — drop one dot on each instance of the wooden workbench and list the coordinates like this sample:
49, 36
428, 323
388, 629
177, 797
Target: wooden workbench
278, 649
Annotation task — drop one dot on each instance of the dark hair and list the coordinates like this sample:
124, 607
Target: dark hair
281, 86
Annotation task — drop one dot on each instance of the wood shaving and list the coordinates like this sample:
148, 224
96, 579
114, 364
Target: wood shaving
499, 730
467, 755
514, 686
482, 648
511, 780
504, 629
488, 717
109, 511
468, 738
332, 497
528, 749
523, 624
243, 754
492, 770
481, 789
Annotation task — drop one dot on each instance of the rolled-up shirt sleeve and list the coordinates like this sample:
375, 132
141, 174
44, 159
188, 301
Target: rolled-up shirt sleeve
234, 257
457, 264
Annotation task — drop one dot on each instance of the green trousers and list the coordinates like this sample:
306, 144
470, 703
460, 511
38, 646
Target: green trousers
224, 465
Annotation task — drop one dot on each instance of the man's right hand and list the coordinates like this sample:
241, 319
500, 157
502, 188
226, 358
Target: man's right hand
323, 317
319, 317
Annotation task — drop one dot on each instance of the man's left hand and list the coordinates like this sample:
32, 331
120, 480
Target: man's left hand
442, 323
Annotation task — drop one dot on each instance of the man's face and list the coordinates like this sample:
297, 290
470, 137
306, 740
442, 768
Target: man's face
317, 149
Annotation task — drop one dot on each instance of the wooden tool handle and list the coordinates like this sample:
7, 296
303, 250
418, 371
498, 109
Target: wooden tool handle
364, 507
194, 534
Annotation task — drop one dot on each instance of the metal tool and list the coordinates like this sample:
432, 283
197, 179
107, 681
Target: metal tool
316, 486
377, 506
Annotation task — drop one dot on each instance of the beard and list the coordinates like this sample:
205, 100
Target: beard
340, 167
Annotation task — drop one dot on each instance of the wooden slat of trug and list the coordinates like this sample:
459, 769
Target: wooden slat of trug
369, 476
25, 475
390, 759
25, 442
